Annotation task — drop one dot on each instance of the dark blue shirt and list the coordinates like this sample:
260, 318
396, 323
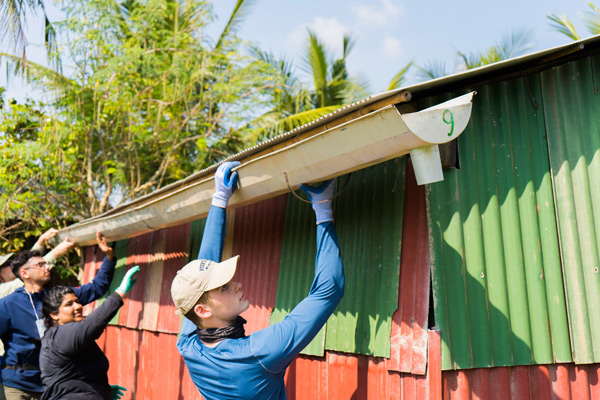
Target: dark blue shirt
19, 333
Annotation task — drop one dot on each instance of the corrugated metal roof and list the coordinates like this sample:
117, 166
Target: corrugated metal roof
519, 66
572, 114
497, 280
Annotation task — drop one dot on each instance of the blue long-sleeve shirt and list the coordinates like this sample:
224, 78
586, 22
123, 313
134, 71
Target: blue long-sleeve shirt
253, 367
18, 331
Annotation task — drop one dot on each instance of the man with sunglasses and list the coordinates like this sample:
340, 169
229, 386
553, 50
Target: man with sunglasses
21, 322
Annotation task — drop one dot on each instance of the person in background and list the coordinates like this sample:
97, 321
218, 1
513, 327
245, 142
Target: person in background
223, 362
21, 325
73, 366
9, 282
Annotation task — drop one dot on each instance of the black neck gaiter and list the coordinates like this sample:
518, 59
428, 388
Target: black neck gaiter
213, 335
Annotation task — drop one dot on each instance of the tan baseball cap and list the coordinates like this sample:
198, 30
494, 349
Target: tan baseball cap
197, 277
5, 258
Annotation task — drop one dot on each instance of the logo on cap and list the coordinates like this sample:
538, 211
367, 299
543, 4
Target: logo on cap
204, 265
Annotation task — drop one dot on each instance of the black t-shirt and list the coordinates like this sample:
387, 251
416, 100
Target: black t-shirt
73, 366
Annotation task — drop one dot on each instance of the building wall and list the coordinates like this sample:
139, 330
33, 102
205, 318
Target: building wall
513, 231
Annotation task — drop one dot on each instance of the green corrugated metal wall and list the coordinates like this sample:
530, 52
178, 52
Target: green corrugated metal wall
196, 231
368, 218
572, 111
120, 249
497, 281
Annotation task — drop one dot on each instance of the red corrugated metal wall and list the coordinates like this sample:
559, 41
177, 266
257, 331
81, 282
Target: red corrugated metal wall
533, 382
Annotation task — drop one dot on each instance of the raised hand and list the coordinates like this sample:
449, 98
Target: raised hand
108, 251
225, 183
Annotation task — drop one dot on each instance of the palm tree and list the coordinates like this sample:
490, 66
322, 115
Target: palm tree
295, 105
12, 21
562, 24
514, 44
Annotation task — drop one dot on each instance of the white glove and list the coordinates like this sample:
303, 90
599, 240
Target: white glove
317, 194
225, 183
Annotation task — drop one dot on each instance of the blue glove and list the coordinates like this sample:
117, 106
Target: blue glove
116, 392
320, 193
127, 283
225, 183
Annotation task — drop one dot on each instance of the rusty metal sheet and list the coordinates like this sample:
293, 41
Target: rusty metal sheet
176, 256
573, 128
408, 340
533, 382
121, 348
159, 371
138, 254
347, 376
257, 238
154, 277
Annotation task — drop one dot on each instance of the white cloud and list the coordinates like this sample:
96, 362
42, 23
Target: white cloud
377, 14
330, 32
392, 47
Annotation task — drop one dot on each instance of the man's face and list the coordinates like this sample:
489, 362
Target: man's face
227, 302
6, 274
36, 270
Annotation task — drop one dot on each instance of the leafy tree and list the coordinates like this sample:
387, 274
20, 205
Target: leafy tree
147, 100
591, 19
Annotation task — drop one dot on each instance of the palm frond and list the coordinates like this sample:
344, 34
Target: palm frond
240, 11
269, 125
12, 14
562, 24
317, 64
349, 43
432, 70
591, 19
514, 44
37, 74
397, 80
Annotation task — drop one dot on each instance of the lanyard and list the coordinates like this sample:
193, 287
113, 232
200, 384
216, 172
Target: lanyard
37, 318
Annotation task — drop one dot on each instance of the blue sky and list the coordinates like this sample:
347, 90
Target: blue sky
388, 33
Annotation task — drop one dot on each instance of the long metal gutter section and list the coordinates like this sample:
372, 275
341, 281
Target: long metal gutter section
356, 144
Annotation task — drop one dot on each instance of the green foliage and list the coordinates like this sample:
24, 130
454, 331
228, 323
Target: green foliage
292, 103
146, 101
562, 24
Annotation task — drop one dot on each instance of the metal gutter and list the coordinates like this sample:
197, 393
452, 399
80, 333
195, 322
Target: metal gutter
356, 144
502, 70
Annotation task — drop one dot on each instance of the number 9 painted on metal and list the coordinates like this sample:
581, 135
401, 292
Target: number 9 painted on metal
449, 121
